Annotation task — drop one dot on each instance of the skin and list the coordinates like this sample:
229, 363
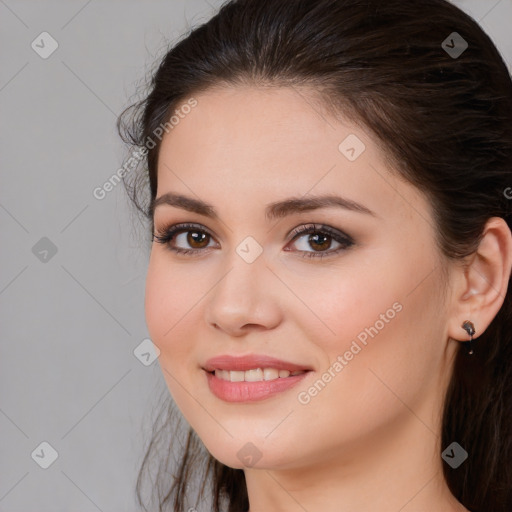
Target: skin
370, 439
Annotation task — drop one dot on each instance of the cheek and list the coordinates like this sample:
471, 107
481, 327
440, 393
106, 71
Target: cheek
169, 312
376, 332
168, 305
356, 300
157, 301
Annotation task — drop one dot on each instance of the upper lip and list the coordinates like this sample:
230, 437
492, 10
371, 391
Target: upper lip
249, 362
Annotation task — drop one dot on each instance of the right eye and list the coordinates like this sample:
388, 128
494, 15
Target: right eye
186, 234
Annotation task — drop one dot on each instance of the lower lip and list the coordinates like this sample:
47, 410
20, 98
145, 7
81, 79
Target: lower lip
250, 391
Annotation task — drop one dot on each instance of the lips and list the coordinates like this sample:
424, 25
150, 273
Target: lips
250, 362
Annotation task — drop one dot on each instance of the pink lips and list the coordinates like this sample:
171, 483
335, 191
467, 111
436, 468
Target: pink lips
250, 391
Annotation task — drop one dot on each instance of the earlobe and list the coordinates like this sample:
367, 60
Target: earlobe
484, 282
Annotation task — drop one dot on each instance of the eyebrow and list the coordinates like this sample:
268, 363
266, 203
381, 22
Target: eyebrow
276, 210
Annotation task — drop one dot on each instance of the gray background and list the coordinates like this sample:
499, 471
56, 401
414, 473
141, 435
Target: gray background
70, 324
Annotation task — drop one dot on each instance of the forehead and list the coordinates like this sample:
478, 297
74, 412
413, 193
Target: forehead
256, 142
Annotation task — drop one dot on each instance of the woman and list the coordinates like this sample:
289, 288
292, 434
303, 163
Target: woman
329, 198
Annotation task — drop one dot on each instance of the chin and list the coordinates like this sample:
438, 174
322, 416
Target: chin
243, 454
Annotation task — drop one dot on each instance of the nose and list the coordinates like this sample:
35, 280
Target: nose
245, 298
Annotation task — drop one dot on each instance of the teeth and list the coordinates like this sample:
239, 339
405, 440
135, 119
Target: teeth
255, 375
237, 376
270, 373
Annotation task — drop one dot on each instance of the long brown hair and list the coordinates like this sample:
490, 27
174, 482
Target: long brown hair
442, 114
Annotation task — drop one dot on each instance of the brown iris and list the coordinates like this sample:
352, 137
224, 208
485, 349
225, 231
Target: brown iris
196, 237
325, 244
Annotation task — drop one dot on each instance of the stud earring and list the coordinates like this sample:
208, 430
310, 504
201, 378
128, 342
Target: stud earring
470, 329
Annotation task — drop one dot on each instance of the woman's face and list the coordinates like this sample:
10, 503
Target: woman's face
367, 319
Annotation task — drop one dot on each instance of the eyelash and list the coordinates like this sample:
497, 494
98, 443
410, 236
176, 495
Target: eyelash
166, 235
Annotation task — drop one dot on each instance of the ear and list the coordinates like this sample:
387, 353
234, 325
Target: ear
482, 283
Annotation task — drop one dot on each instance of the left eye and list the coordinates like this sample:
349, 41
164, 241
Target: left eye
320, 238
319, 241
